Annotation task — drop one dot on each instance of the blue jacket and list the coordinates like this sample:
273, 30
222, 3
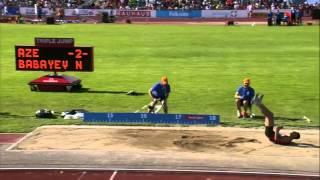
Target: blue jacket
246, 93
160, 91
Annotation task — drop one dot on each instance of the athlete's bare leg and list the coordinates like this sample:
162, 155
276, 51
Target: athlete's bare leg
268, 115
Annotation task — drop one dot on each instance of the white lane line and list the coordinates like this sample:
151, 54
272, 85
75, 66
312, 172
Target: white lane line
113, 175
12, 146
83, 173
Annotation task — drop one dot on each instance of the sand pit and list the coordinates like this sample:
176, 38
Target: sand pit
190, 140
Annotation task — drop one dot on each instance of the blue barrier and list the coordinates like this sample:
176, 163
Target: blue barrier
13, 10
178, 13
151, 118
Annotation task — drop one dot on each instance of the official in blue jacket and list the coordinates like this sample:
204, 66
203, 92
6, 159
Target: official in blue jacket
160, 93
244, 96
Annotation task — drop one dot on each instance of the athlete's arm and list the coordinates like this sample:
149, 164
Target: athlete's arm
277, 135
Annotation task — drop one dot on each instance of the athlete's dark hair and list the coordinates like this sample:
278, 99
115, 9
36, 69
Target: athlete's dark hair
295, 134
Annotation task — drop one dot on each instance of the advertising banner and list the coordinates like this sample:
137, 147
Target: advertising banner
80, 12
133, 13
224, 14
31, 11
266, 11
263, 12
12, 10
178, 14
87, 12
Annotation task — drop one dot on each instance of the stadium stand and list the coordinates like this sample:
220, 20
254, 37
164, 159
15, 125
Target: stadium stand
93, 11
162, 4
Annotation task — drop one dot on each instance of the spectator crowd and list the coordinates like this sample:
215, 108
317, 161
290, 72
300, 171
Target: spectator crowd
162, 4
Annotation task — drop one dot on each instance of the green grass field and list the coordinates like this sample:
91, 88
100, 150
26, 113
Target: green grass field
205, 64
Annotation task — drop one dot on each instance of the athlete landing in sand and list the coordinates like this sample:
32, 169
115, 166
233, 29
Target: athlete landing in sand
273, 136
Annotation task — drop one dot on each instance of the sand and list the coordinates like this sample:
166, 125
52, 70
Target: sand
164, 140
